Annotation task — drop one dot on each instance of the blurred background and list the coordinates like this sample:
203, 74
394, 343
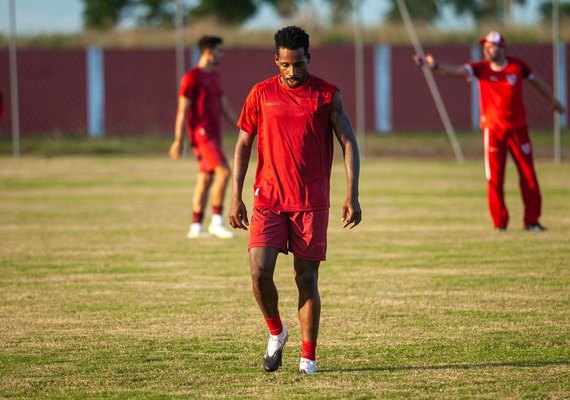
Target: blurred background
91, 70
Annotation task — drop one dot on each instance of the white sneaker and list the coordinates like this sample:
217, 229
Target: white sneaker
196, 231
274, 355
220, 231
307, 366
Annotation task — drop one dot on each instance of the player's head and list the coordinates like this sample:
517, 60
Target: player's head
292, 55
493, 46
211, 46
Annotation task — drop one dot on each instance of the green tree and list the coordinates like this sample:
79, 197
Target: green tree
340, 10
546, 10
103, 14
424, 10
483, 9
228, 11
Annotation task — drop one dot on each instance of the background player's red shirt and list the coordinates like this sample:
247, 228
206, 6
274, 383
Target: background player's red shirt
500, 93
205, 92
295, 143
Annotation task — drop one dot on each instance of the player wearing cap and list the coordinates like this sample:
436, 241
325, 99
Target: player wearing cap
200, 103
293, 115
504, 123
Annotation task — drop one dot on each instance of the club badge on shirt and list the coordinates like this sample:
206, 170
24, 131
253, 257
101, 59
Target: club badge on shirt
512, 79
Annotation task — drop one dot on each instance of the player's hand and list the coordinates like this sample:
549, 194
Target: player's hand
429, 61
175, 150
418, 60
238, 215
351, 214
558, 106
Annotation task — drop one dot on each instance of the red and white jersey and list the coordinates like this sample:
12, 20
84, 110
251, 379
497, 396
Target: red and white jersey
295, 143
500, 93
204, 90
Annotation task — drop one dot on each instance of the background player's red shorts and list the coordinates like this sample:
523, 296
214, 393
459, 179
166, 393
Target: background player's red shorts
304, 233
209, 155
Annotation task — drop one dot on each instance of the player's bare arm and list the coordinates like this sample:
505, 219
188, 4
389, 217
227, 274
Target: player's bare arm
238, 211
351, 212
176, 147
228, 111
429, 61
545, 91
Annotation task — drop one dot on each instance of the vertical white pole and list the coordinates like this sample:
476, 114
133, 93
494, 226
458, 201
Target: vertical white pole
180, 56
556, 76
359, 79
14, 82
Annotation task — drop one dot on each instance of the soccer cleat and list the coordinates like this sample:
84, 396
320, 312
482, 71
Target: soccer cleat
500, 228
274, 356
196, 231
220, 231
307, 366
535, 227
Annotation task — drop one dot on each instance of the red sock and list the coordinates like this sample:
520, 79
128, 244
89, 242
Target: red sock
274, 324
197, 217
309, 349
217, 210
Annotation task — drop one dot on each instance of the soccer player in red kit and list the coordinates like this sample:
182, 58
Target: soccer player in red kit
200, 103
293, 115
504, 124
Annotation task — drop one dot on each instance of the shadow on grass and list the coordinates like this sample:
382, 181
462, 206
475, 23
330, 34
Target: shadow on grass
524, 364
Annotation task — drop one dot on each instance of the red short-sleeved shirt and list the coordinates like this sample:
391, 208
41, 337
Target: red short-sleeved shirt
204, 90
501, 98
294, 143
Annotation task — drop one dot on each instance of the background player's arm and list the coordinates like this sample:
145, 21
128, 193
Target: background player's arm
176, 147
238, 211
228, 111
351, 212
458, 71
545, 91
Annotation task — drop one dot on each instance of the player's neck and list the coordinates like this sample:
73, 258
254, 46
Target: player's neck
205, 65
498, 65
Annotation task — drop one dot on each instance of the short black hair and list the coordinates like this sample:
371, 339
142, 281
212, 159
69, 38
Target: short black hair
292, 38
209, 42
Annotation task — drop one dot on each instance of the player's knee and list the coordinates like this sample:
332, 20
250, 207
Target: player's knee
260, 276
307, 279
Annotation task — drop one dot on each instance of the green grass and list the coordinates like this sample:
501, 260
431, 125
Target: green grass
102, 296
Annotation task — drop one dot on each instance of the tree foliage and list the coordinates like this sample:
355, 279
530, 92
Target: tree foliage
546, 10
424, 10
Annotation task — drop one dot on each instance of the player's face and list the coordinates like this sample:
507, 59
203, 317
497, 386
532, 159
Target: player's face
293, 66
493, 52
216, 54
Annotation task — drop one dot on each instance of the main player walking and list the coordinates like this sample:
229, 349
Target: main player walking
200, 103
504, 124
293, 116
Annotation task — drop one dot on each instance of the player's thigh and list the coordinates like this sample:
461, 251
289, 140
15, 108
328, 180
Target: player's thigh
212, 156
308, 236
268, 228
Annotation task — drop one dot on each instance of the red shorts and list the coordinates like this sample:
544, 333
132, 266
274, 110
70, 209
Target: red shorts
304, 233
209, 155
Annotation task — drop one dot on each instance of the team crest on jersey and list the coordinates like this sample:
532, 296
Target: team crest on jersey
512, 79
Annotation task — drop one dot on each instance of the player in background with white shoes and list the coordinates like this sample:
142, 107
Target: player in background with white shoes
201, 101
295, 117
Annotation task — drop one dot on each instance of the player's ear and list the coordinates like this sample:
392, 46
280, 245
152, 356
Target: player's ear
308, 58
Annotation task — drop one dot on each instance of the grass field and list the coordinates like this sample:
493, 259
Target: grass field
102, 296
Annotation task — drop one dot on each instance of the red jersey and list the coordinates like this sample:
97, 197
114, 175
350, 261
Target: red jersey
205, 92
294, 143
500, 93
